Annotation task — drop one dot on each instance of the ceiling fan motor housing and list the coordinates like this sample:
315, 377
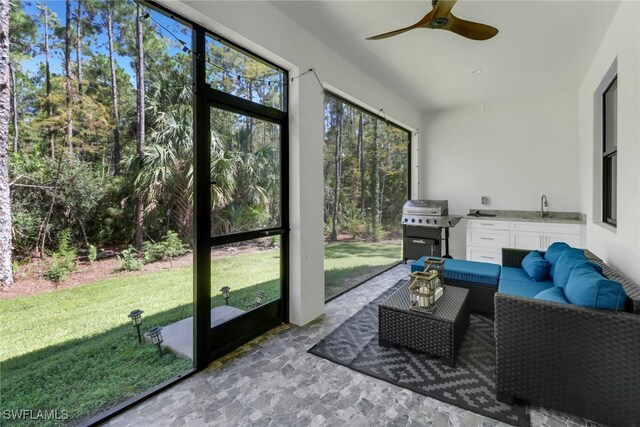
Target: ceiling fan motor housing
438, 23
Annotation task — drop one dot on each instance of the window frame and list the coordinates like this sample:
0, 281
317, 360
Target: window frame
608, 202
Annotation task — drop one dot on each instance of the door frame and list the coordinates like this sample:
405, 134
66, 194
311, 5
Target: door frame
264, 318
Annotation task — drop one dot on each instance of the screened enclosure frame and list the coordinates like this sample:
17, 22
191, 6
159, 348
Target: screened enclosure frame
409, 133
388, 122
257, 321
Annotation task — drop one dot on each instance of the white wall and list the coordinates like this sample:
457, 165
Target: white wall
263, 29
511, 150
619, 247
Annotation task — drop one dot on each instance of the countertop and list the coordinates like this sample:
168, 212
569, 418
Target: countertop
529, 216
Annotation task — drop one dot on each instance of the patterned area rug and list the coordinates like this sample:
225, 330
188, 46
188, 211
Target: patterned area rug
470, 385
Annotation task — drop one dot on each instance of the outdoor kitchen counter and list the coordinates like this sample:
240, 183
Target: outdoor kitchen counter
528, 216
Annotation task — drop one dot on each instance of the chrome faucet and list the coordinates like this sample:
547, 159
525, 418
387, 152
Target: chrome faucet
544, 203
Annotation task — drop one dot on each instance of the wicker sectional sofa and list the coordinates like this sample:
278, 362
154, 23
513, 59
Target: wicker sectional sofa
580, 360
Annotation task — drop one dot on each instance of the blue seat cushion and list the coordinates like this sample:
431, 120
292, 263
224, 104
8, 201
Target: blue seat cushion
515, 274
535, 266
568, 260
520, 288
554, 294
588, 288
481, 273
553, 253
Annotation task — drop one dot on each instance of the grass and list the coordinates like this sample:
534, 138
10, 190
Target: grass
75, 350
347, 264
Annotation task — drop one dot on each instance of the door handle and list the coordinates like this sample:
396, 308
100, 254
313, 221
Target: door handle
422, 242
487, 238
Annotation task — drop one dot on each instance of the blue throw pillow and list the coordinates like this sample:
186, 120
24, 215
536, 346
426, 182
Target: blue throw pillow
535, 266
555, 294
554, 251
588, 288
569, 258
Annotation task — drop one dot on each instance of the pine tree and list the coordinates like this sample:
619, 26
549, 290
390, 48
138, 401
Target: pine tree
6, 270
114, 90
140, 133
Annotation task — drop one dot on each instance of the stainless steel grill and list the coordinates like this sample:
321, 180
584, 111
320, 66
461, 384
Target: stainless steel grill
423, 223
428, 213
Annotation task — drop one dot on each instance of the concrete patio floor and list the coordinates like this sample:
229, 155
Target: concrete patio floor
273, 381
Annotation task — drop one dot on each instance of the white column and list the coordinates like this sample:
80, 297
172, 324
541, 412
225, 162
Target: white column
306, 187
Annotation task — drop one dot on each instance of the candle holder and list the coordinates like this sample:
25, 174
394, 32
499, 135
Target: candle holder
424, 291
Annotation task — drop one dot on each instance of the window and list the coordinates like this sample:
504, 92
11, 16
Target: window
610, 153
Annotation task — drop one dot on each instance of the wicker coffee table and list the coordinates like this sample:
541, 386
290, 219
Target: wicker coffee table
439, 333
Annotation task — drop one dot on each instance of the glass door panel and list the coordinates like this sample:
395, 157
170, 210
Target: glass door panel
245, 173
248, 233
244, 276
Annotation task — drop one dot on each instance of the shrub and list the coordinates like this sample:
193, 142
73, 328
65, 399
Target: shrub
62, 260
128, 261
169, 248
57, 271
93, 254
379, 233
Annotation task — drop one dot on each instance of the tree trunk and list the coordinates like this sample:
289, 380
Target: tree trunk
338, 176
67, 68
14, 106
361, 161
250, 121
375, 183
141, 124
6, 271
114, 94
47, 77
79, 46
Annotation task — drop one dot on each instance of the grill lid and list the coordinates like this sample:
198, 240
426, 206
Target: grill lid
428, 213
425, 207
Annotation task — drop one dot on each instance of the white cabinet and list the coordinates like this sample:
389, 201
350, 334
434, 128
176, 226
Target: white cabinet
526, 240
486, 238
540, 235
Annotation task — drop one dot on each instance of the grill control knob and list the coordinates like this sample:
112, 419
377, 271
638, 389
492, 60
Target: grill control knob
404, 219
420, 221
435, 221
413, 220
449, 223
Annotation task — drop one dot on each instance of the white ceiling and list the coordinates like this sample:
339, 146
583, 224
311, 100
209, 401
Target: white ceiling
542, 46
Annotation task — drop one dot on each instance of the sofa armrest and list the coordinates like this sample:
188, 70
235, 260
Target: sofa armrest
576, 359
513, 257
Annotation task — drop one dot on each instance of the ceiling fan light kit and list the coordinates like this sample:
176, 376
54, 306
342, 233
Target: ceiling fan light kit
441, 18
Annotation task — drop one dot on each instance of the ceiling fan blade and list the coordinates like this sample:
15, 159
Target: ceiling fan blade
470, 30
421, 23
443, 7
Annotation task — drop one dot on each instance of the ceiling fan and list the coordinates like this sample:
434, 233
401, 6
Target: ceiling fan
441, 18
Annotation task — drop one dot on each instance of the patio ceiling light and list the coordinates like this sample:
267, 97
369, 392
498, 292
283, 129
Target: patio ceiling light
225, 290
136, 319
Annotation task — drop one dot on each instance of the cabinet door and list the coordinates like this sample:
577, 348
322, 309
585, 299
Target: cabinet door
526, 240
572, 240
488, 238
493, 256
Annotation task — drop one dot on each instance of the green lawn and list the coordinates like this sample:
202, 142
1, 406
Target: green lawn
346, 264
74, 349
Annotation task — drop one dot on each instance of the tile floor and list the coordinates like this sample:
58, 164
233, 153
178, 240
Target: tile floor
273, 381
